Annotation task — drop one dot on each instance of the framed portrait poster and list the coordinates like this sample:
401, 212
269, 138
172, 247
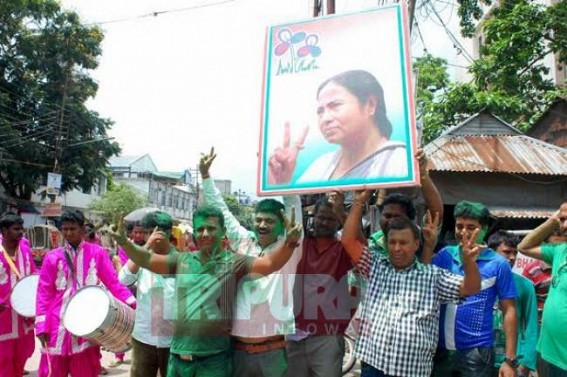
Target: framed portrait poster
338, 108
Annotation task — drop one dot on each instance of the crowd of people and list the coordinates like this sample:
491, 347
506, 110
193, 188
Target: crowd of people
276, 300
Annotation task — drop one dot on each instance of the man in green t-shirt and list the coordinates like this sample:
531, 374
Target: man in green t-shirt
552, 343
206, 283
506, 245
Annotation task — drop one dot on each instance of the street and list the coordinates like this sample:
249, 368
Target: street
122, 370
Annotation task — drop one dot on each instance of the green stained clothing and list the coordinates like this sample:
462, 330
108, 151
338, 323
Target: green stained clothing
553, 339
526, 311
205, 298
219, 365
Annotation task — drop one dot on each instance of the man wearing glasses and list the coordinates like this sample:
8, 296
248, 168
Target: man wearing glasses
552, 343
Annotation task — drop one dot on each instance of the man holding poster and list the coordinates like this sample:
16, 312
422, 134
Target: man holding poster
350, 77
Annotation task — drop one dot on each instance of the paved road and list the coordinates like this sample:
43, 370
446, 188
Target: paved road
122, 370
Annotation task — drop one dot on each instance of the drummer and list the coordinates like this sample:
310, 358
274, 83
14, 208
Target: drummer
64, 271
16, 332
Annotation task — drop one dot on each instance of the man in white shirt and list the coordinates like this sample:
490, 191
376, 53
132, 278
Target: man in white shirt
153, 328
264, 307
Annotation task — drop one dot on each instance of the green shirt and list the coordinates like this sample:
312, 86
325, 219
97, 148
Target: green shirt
553, 339
205, 298
526, 311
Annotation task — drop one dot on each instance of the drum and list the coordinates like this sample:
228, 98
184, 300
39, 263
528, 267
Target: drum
94, 314
22, 298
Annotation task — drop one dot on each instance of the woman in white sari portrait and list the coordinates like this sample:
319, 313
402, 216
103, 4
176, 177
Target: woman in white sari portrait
351, 112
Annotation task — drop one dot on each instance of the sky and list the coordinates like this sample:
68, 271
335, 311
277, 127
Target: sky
190, 77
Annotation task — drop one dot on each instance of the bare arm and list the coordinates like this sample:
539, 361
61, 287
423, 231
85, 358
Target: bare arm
531, 244
510, 332
351, 231
431, 195
141, 256
337, 198
430, 237
272, 262
471, 281
132, 267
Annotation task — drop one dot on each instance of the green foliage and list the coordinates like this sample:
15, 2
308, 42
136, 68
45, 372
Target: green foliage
117, 202
244, 214
509, 78
45, 56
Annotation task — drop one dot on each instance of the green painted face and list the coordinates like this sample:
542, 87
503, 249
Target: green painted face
208, 233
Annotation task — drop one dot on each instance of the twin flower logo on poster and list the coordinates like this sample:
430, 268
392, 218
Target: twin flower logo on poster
298, 52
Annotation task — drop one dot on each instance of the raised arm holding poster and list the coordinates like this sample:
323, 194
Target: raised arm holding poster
338, 109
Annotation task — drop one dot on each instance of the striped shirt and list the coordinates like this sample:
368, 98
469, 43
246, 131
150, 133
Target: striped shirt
400, 318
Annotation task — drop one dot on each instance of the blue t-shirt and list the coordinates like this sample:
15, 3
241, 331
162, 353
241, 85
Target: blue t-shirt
469, 324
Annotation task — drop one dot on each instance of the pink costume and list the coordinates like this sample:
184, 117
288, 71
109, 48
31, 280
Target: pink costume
17, 341
57, 284
122, 255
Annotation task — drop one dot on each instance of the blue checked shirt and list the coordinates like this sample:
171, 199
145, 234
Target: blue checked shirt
400, 317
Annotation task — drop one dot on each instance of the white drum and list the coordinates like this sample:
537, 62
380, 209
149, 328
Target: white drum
94, 314
22, 298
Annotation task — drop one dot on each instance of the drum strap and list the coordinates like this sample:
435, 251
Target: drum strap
11, 262
68, 251
70, 264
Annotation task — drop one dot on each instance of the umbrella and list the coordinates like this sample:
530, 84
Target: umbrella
138, 214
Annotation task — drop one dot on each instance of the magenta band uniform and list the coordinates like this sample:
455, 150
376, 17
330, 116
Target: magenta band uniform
17, 341
122, 255
92, 266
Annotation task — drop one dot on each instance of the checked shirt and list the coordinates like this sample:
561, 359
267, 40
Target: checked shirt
400, 317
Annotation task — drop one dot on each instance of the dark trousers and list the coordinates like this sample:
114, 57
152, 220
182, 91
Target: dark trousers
316, 356
474, 362
368, 370
147, 360
554, 371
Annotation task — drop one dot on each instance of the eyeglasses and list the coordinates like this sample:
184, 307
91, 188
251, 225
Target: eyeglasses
557, 276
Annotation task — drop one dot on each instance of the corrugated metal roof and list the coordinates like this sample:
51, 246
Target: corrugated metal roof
123, 161
521, 213
497, 154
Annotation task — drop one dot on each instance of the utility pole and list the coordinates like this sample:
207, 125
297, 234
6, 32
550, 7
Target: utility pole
330, 6
318, 7
58, 140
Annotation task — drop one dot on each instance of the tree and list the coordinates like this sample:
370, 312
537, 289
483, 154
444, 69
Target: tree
509, 78
118, 201
45, 58
432, 82
244, 214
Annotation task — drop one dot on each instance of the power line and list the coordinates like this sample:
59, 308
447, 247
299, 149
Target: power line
25, 162
421, 37
159, 13
456, 43
25, 139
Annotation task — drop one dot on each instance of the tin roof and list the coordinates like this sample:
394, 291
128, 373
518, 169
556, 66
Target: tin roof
521, 213
496, 154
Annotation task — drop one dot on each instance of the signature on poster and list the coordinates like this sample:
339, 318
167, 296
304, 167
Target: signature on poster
298, 51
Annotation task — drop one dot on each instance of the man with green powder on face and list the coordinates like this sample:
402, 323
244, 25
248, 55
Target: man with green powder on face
466, 330
205, 287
